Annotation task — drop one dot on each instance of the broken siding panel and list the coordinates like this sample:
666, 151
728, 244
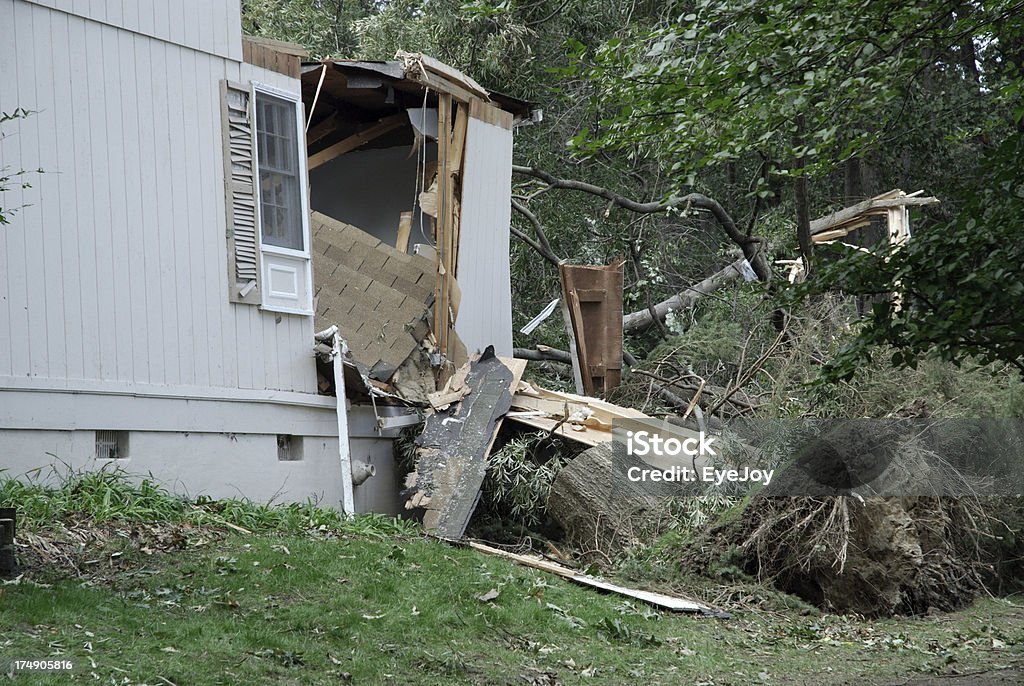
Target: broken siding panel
485, 314
175, 22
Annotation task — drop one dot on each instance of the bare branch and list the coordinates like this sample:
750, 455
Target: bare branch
541, 244
642, 319
750, 245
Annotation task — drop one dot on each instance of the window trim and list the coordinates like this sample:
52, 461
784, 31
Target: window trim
307, 238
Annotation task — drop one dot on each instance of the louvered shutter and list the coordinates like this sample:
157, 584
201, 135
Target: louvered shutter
240, 194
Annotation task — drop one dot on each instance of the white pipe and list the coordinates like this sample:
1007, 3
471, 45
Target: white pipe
338, 350
361, 472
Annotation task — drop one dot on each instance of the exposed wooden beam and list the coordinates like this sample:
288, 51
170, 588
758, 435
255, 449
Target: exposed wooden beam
322, 130
359, 139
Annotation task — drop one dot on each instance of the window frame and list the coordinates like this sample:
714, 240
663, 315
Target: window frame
304, 207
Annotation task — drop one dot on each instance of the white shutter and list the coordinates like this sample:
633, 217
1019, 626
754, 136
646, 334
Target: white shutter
240, 194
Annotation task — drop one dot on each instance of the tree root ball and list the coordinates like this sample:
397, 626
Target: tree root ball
872, 556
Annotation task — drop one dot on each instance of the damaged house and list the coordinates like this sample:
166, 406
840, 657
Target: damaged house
237, 272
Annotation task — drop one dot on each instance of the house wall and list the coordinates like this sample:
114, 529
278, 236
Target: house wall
114, 309
116, 269
485, 314
369, 189
204, 461
219, 465
174, 22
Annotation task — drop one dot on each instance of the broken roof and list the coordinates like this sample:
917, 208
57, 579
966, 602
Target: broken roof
343, 96
378, 296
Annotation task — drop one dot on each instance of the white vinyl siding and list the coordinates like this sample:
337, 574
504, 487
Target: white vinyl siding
116, 268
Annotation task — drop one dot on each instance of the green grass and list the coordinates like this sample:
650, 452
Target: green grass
107, 495
365, 602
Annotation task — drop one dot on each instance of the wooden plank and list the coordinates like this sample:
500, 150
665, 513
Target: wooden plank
490, 114
576, 313
322, 130
357, 140
444, 108
666, 602
456, 153
279, 46
404, 230
574, 356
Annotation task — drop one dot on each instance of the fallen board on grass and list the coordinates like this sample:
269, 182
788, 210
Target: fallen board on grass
666, 602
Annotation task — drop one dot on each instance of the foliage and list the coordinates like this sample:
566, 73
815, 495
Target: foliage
961, 282
726, 80
519, 476
323, 27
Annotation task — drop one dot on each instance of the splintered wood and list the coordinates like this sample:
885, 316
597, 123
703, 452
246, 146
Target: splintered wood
576, 417
844, 221
456, 442
593, 296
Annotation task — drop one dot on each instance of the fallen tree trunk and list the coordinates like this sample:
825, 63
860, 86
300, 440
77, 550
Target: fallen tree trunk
600, 509
685, 299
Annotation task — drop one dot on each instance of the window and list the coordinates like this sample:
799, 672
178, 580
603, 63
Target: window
289, 448
281, 210
267, 208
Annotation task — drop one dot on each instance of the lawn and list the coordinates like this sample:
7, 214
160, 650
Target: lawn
366, 608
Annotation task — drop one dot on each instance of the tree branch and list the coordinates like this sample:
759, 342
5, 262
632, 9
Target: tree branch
642, 319
541, 244
749, 245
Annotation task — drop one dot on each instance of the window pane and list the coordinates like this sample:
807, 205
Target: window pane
280, 191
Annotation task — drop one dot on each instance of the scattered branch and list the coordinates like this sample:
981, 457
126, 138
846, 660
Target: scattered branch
541, 244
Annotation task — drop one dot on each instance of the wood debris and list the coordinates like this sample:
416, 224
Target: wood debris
593, 298
666, 602
456, 442
577, 417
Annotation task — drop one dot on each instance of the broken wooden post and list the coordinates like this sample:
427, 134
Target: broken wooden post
8, 562
594, 299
